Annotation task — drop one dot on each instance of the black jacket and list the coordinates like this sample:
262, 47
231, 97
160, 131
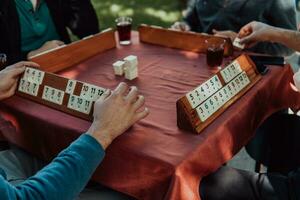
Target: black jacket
77, 15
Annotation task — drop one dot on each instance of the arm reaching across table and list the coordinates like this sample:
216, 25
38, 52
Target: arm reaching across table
47, 46
116, 114
255, 32
69, 172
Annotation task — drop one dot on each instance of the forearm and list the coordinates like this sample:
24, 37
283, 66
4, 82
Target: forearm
64, 178
289, 38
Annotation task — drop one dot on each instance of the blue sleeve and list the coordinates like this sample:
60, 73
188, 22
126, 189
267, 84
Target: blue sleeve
64, 178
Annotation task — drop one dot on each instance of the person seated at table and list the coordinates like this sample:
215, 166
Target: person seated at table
227, 17
30, 27
281, 182
283, 178
66, 176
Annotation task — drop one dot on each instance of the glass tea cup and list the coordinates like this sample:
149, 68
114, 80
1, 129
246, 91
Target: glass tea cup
214, 52
124, 25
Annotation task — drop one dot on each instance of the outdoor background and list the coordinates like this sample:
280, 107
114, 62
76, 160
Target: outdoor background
153, 12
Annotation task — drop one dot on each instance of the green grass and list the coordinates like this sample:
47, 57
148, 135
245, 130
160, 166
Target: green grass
153, 12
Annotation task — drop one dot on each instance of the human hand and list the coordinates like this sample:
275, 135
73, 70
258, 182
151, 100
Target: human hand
9, 78
115, 114
228, 34
181, 26
46, 47
255, 32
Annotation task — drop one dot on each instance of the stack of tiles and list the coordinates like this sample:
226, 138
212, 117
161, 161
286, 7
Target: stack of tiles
131, 67
119, 68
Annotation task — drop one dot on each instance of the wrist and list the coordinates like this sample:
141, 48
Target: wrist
275, 34
101, 135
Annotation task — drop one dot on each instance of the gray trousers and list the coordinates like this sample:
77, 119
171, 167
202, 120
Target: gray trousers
19, 165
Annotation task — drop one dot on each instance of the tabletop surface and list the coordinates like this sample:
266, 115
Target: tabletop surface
154, 159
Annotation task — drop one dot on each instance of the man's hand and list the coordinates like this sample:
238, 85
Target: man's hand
114, 115
228, 34
181, 26
46, 47
255, 32
9, 78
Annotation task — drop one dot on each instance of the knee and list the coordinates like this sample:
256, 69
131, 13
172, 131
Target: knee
218, 185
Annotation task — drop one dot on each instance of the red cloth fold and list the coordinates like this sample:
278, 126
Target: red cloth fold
6, 128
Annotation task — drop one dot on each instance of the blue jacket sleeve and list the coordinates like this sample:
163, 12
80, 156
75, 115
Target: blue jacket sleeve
64, 178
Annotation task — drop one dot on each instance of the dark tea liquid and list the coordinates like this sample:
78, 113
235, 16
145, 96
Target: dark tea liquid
215, 56
124, 30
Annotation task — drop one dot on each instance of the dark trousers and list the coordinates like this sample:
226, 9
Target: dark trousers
233, 184
283, 144
276, 143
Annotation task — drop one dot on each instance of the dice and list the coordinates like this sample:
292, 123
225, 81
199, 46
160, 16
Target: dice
129, 67
119, 68
131, 61
131, 73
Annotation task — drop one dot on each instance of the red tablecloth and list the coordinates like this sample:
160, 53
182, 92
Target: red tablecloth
154, 159
5, 127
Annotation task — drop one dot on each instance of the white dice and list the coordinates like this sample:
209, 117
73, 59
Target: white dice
129, 66
131, 73
131, 61
119, 68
